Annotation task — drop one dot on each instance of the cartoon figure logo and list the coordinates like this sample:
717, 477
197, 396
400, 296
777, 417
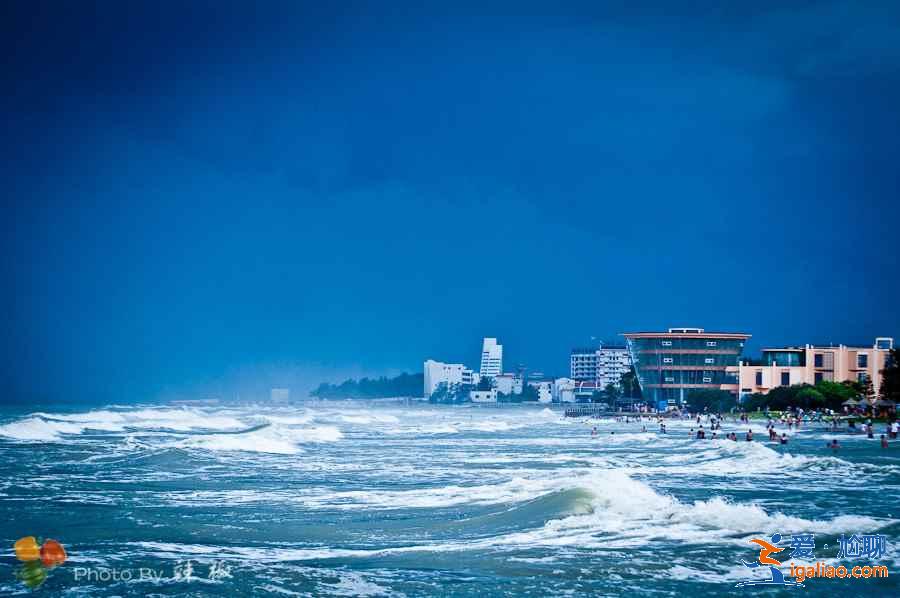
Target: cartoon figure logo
37, 558
777, 577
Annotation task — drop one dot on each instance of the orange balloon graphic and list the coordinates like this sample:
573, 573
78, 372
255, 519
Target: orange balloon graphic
27, 549
52, 553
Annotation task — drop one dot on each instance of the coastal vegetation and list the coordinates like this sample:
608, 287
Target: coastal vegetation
404, 385
701, 400
824, 395
890, 378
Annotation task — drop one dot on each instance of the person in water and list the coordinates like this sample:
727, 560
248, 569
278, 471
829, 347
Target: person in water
884, 442
834, 445
749, 435
783, 438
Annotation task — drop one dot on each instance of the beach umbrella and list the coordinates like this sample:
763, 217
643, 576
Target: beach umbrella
885, 403
850, 402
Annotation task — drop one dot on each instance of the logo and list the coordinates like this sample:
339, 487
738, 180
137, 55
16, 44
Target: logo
776, 577
803, 546
38, 559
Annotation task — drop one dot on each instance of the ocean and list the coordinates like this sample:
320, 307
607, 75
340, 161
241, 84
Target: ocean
387, 499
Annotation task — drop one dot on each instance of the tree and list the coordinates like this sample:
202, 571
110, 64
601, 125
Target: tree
404, 385
834, 394
826, 394
711, 400
809, 398
450, 393
529, 393
485, 383
866, 389
630, 384
612, 392
890, 380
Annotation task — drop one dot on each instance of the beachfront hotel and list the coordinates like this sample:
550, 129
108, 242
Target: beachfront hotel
671, 364
812, 364
604, 365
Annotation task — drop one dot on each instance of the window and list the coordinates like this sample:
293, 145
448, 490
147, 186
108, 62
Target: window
818, 359
710, 343
759, 378
818, 377
707, 379
667, 360
862, 360
785, 378
709, 360
670, 379
666, 343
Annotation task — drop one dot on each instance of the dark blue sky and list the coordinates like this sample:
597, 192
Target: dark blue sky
209, 199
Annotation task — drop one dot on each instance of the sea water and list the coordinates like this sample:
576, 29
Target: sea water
365, 499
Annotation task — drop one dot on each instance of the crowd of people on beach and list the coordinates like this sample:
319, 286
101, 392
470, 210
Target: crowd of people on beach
792, 420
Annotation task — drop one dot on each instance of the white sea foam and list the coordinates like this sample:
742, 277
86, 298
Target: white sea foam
37, 428
270, 439
369, 419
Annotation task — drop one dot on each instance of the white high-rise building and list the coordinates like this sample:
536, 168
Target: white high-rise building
491, 358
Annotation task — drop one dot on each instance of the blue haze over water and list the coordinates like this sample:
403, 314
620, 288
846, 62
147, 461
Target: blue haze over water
350, 498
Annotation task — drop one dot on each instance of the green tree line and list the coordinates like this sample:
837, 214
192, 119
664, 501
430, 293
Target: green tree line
404, 385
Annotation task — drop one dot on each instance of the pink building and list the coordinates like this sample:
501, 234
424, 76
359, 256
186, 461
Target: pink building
809, 365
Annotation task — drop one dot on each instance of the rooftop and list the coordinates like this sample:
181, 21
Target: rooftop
693, 333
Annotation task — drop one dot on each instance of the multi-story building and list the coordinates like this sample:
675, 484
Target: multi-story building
583, 364
670, 364
491, 358
613, 362
436, 373
470, 378
604, 365
810, 364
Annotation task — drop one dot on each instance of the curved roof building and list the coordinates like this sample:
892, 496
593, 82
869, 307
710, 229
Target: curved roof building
670, 364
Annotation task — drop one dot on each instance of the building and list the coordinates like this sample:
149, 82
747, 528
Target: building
604, 365
491, 358
436, 373
671, 364
613, 362
280, 395
508, 384
544, 390
563, 390
584, 391
810, 364
470, 378
583, 364
483, 396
